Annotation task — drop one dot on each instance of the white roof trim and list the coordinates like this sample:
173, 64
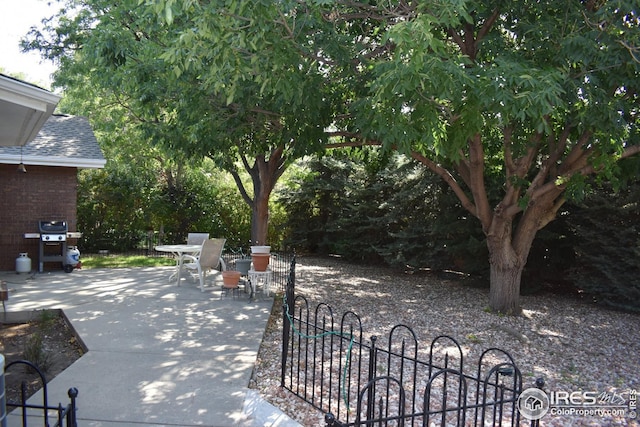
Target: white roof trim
27, 95
12, 159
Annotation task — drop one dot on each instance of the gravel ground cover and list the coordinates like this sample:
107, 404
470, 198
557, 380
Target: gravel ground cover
575, 346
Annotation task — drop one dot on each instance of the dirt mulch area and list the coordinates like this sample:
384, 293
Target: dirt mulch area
572, 344
43, 337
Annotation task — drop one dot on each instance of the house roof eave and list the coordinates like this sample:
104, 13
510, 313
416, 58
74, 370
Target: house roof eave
24, 108
12, 159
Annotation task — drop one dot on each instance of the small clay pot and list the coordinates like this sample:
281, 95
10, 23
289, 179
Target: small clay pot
260, 261
230, 278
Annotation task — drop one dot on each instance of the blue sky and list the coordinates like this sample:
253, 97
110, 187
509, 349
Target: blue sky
16, 17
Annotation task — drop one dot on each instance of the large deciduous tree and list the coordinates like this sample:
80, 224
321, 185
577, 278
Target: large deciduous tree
543, 93
272, 103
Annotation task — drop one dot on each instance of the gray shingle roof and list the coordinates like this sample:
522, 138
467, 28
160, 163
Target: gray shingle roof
62, 141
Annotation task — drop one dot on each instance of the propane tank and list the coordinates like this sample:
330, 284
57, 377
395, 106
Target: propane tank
73, 256
23, 263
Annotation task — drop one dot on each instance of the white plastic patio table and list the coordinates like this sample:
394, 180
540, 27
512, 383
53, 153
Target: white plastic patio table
178, 251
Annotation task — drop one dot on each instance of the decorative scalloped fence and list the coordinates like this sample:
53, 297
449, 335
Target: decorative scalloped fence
390, 380
59, 415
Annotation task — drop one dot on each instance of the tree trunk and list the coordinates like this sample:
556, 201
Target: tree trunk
508, 253
504, 293
260, 221
505, 266
264, 175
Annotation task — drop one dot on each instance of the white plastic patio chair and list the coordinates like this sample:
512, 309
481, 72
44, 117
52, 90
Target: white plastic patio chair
210, 258
192, 239
196, 238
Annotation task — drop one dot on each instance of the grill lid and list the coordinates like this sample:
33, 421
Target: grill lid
52, 226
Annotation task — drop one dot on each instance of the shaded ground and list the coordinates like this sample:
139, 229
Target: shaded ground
571, 343
46, 340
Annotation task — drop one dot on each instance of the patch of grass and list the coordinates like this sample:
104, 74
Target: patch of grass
34, 348
47, 320
35, 352
121, 261
474, 338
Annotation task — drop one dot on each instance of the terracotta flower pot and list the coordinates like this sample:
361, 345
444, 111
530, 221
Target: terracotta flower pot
230, 278
260, 261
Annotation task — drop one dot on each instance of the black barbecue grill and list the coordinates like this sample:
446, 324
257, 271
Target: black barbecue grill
52, 233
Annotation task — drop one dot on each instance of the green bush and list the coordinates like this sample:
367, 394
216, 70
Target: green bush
122, 206
607, 248
385, 209
35, 352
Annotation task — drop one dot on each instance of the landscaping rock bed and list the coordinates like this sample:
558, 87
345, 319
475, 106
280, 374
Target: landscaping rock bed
573, 344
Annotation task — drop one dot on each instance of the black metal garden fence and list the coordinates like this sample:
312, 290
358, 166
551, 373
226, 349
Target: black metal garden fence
60, 415
390, 381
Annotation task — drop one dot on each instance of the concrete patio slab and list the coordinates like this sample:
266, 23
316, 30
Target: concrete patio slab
159, 354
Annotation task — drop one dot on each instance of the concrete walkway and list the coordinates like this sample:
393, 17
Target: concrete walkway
159, 354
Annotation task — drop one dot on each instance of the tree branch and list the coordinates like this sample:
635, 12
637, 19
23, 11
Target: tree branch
583, 170
486, 27
576, 154
508, 154
512, 192
276, 160
470, 44
240, 185
448, 178
478, 189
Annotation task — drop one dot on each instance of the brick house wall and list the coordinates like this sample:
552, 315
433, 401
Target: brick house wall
43, 193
